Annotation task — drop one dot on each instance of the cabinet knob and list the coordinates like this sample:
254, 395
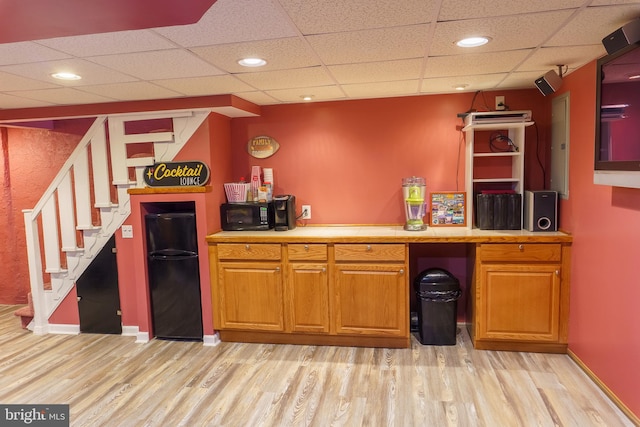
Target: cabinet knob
324, 270
306, 248
277, 268
557, 272
521, 247
368, 248
247, 247
401, 271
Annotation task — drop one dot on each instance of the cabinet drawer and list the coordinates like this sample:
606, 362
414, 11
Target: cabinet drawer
520, 252
305, 252
249, 251
370, 252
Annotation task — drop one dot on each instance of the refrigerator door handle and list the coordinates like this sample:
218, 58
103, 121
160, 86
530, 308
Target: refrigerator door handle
172, 257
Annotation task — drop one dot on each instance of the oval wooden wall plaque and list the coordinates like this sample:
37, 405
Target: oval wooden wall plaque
262, 147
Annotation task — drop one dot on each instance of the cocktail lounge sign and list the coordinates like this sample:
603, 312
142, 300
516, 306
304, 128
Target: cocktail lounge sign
176, 174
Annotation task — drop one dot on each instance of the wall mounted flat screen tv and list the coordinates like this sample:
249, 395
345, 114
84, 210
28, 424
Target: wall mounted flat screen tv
617, 145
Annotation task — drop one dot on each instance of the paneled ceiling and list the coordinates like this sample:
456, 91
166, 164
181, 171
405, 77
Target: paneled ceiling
330, 49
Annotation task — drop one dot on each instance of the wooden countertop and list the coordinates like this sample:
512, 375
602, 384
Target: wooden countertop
388, 234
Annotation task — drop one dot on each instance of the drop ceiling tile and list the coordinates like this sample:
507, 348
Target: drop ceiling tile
230, 21
473, 83
211, 85
91, 73
507, 33
572, 56
159, 64
480, 63
24, 52
109, 43
63, 96
322, 93
330, 16
10, 101
404, 69
259, 98
287, 79
10, 82
520, 81
280, 54
593, 24
382, 90
131, 91
371, 45
465, 9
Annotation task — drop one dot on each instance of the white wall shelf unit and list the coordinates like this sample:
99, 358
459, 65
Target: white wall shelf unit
509, 172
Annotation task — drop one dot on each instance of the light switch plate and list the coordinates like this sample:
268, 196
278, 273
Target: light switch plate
127, 231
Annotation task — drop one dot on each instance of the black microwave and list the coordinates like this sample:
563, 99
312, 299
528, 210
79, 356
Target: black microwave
247, 216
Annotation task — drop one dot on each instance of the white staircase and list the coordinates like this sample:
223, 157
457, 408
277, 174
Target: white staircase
88, 201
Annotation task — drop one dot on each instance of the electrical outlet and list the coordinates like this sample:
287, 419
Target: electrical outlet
500, 105
306, 212
127, 231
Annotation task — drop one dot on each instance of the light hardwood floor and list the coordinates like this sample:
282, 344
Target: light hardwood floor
110, 380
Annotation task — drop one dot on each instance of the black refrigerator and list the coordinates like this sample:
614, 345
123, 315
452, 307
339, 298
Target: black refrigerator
174, 278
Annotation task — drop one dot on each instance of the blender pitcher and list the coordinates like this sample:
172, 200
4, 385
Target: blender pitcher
415, 208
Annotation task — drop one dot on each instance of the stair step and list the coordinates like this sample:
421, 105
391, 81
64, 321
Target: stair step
88, 227
26, 313
140, 161
73, 250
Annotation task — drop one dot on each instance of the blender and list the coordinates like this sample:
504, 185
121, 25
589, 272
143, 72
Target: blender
415, 208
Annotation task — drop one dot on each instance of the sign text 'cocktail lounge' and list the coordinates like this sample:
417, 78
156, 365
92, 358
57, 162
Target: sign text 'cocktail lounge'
176, 174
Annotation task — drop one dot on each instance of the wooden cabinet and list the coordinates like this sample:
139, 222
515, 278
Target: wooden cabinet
520, 298
351, 286
311, 293
307, 285
371, 289
249, 287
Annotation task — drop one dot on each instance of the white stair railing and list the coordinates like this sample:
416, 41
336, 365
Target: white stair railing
68, 205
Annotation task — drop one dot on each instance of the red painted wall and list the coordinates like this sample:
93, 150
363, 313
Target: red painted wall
29, 160
347, 159
605, 291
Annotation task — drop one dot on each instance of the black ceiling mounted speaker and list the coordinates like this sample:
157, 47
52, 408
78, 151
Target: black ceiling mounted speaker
548, 83
623, 36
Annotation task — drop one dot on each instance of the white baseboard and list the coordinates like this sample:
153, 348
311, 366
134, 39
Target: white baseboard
211, 340
130, 331
142, 337
62, 329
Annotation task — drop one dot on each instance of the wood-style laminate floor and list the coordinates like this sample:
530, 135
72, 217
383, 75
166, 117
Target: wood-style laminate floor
109, 380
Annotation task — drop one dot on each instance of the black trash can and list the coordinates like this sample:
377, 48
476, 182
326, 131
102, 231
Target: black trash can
437, 292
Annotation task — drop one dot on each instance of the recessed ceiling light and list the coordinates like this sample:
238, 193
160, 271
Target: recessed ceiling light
252, 62
460, 87
473, 41
65, 76
307, 97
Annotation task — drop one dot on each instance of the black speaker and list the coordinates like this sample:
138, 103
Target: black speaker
623, 36
541, 210
548, 83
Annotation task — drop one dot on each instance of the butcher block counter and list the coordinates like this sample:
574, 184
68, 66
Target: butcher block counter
350, 285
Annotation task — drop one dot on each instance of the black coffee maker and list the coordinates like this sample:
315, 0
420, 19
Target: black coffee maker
285, 212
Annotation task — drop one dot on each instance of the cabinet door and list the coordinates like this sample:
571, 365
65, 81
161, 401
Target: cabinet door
371, 299
519, 302
308, 297
251, 296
